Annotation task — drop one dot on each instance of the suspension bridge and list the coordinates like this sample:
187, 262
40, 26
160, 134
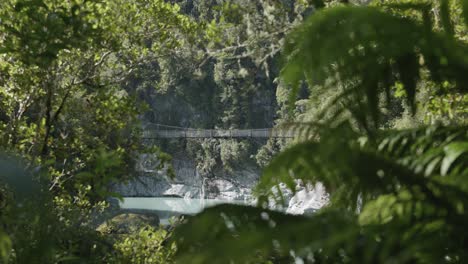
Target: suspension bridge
154, 131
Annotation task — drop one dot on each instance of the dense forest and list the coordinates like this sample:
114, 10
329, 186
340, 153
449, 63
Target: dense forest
226, 80
374, 90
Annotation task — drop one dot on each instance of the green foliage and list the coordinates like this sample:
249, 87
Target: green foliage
218, 230
398, 196
66, 107
70, 73
228, 80
147, 245
213, 154
103, 169
465, 10
39, 30
34, 230
5, 246
268, 151
65, 97
393, 158
383, 50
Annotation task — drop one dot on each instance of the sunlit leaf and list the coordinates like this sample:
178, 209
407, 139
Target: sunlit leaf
453, 151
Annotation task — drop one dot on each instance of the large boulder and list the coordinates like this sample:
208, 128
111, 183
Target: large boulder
308, 199
126, 223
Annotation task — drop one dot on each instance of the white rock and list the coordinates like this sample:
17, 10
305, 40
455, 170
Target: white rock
308, 200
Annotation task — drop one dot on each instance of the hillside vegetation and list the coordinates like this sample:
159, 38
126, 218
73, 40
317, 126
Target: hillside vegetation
376, 91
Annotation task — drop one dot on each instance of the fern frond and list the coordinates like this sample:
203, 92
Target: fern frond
465, 11
349, 165
368, 52
250, 232
398, 196
239, 234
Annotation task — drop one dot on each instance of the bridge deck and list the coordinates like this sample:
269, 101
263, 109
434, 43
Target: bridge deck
218, 133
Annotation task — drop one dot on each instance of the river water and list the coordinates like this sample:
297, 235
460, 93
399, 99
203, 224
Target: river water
166, 207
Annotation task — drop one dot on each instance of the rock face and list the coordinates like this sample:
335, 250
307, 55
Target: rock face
126, 223
155, 183
189, 184
236, 186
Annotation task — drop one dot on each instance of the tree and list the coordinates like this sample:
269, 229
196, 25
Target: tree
225, 81
398, 196
67, 109
66, 102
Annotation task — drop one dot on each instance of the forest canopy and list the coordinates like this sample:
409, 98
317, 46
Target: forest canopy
375, 90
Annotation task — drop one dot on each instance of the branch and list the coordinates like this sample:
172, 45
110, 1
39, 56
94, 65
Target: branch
62, 104
249, 42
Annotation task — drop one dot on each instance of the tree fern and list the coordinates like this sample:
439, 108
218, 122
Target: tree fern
368, 52
398, 196
408, 215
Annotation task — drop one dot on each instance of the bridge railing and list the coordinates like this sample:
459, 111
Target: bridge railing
156, 132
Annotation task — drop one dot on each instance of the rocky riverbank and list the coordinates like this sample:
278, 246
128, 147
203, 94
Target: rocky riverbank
237, 185
187, 183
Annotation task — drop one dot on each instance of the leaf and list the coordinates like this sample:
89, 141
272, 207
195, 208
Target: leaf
115, 195
5, 246
452, 152
445, 17
233, 233
85, 175
355, 48
465, 10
